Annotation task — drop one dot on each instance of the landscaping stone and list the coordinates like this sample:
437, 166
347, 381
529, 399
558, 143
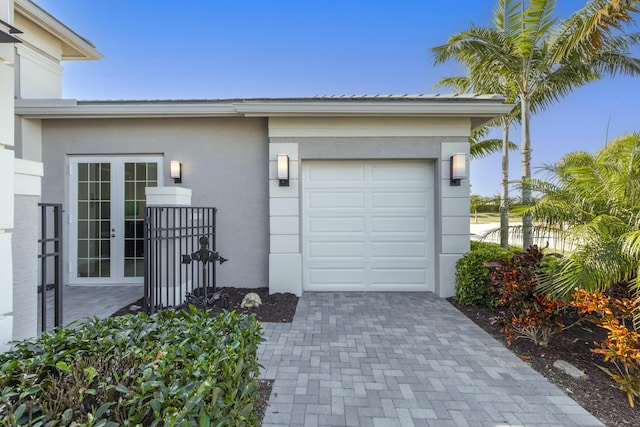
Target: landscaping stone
569, 369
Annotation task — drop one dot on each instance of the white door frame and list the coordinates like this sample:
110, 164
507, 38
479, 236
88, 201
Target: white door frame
117, 216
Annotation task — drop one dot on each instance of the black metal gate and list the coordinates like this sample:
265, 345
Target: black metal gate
173, 235
50, 256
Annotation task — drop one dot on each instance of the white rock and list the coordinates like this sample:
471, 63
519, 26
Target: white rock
251, 300
569, 369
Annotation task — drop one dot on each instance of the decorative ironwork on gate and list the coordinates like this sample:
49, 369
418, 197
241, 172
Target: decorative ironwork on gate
174, 236
50, 256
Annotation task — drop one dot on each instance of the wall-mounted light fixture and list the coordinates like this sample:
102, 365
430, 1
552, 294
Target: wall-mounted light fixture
458, 169
283, 170
176, 171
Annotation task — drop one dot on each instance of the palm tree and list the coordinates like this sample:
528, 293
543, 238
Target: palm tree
596, 200
483, 79
545, 61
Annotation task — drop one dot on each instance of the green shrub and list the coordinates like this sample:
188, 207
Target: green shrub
173, 368
473, 279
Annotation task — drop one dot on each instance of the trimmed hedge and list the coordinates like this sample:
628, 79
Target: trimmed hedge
178, 368
473, 279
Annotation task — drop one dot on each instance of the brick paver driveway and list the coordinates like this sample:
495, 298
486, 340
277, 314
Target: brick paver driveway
400, 359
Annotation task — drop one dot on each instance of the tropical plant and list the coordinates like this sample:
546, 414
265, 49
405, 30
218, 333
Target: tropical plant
591, 202
483, 79
621, 348
544, 60
521, 310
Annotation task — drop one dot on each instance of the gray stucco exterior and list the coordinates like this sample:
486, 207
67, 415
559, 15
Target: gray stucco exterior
224, 165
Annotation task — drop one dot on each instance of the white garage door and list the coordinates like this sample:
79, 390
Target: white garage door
368, 225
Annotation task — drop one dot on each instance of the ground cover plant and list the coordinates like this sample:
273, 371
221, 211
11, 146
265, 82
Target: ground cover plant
178, 368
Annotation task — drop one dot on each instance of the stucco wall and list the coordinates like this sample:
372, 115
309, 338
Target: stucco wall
6, 173
25, 267
223, 163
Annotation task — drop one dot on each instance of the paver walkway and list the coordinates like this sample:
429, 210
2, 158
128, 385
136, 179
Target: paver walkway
82, 302
400, 359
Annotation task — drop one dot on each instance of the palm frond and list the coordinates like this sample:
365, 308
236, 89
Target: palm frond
506, 16
536, 23
590, 27
484, 148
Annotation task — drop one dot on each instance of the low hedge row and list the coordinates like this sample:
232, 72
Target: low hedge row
178, 368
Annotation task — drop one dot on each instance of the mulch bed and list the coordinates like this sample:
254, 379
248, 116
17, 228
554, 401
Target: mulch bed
598, 393
277, 308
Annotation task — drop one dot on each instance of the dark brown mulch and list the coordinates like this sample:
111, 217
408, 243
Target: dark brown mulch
274, 308
598, 393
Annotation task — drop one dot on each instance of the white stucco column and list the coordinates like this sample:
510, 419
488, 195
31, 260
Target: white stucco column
6, 178
285, 259
28, 175
168, 196
455, 225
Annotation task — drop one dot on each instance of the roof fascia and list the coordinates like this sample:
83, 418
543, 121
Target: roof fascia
68, 109
480, 112
373, 108
84, 48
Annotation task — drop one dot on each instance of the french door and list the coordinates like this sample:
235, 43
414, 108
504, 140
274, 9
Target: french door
107, 203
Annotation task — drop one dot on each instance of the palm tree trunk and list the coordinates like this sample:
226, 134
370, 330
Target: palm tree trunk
504, 198
527, 229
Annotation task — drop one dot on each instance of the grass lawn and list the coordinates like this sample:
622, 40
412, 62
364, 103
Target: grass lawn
487, 217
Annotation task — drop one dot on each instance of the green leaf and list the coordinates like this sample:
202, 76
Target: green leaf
63, 366
30, 391
205, 421
156, 405
102, 409
121, 388
19, 411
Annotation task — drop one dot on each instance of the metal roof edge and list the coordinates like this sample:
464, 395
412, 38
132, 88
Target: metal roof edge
73, 109
65, 108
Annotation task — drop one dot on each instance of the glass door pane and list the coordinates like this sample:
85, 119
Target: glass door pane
94, 220
137, 176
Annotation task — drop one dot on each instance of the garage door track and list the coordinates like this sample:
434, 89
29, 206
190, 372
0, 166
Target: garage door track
400, 359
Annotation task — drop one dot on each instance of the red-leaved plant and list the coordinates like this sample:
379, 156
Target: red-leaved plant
621, 348
522, 312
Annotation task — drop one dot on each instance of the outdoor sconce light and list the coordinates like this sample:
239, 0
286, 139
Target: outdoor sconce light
283, 170
176, 171
458, 169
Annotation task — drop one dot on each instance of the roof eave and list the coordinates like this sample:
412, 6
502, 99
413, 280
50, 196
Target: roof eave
75, 47
70, 109
480, 112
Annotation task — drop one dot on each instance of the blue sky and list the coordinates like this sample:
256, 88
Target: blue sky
161, 49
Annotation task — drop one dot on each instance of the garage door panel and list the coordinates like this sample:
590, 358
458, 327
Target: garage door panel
336, 250
398, 225
326, 174
398, 200
399, 250
333, 200
368, 225
401, 171
336, 225
398, 276
335, 276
